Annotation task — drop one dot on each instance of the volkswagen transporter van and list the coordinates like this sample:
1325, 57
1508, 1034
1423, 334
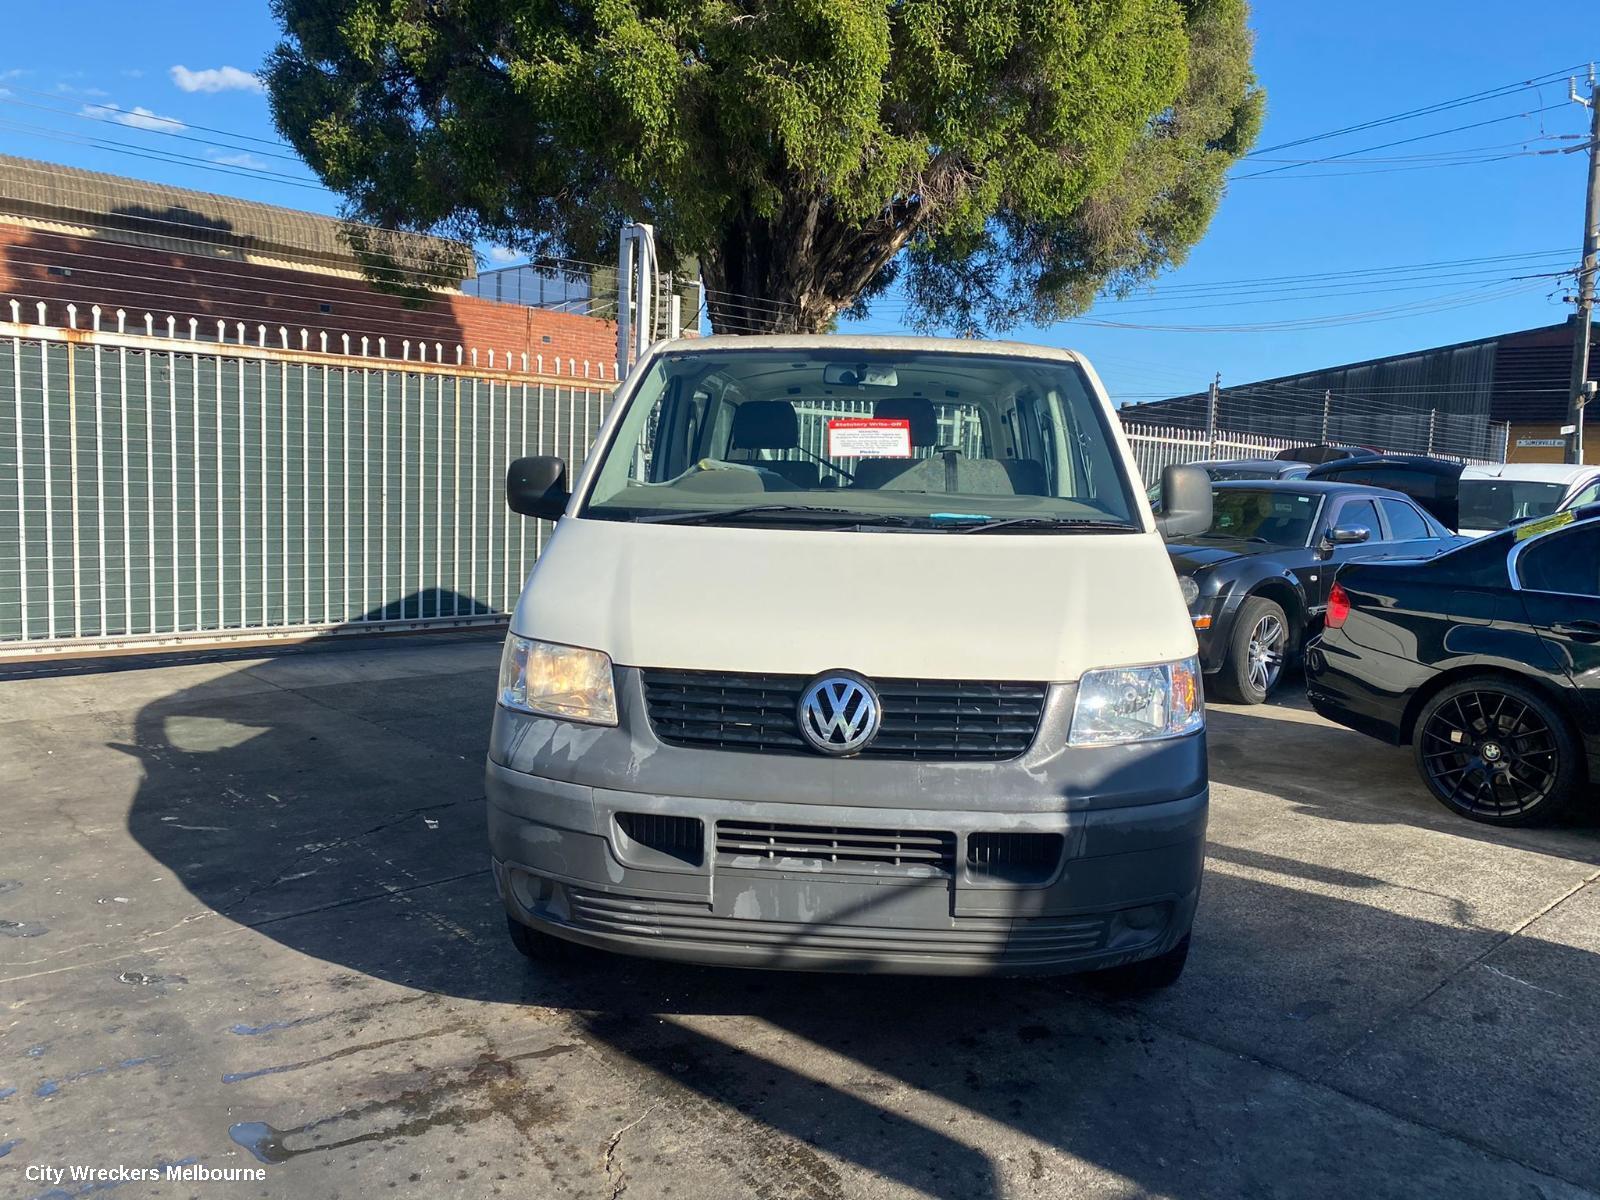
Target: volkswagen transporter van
855, 654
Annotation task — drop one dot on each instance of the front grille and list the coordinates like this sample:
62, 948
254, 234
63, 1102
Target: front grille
753, 843
922, 718
1013, 857
682, 838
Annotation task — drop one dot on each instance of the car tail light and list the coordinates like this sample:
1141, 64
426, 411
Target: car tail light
1338, 607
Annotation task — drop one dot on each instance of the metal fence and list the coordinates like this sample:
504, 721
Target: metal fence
157, 489
1158, 446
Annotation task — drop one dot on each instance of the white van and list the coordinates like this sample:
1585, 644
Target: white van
1495, 495
856, 654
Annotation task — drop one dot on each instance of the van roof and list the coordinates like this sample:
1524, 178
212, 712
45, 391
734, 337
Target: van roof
870, 342
1532, 472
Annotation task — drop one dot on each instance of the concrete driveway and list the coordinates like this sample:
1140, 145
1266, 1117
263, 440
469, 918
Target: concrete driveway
245, 917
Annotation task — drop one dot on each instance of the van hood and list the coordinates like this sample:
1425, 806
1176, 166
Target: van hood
1005, 607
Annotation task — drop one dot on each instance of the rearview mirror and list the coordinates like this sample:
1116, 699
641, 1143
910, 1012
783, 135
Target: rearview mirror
860, 375
1185, 502
537, 486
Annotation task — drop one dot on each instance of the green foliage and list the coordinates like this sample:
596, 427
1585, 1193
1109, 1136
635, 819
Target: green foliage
1011, 158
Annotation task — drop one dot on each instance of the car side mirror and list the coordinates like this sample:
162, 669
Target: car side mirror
1185, 502
1347, 535
537, 486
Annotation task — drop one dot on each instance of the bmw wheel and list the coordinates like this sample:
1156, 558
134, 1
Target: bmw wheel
1494, 751
1258, 650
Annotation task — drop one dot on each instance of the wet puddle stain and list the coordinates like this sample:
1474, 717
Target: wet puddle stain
7, 1147
492, 1082
7, 1092
51, 1086
140, 979
273, 1026
22, 929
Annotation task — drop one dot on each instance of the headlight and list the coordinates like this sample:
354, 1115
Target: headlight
1190, 590
1138, 704
557, 681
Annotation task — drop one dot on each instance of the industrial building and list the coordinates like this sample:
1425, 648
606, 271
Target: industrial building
1497, 396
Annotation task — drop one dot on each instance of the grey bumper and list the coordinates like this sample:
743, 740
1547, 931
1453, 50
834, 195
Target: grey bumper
1131, 822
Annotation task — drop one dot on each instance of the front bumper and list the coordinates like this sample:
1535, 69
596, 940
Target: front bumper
1130, 822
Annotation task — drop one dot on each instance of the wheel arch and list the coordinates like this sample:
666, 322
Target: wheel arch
1523, 679
1287, 597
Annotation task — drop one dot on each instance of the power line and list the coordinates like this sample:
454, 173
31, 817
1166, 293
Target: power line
14, 87
109, 119
1423, 111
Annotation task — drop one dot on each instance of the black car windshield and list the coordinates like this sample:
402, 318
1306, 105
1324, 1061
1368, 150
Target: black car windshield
1495, 503
1281, 517
846, 438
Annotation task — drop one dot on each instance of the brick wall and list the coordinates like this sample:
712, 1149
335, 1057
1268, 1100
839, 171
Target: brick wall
34, 266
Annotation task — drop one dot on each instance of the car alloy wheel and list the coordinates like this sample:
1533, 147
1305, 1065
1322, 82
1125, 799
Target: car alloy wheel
1495, 755
1265, 651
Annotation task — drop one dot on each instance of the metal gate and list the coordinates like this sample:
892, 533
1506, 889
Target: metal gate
157, 490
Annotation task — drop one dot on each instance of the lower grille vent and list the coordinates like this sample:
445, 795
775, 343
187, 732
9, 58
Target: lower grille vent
1013, 857
750, 843
682, 838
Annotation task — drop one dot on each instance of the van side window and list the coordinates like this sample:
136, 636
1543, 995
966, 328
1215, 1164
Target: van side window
1566, 562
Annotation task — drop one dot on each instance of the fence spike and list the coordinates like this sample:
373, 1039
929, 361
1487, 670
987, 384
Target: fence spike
586, 368
149, 325
261, 336
572, 367
405, 349
283, 338
438, 352
458, 355
16, 312
539, 360
322, 339
491, 357
41, 314
383, 347
474, 356
194, 329
172, 327
240, 325
345, 338
122, 320
94, 316
363, 346
222, 331
305, 339
524, 362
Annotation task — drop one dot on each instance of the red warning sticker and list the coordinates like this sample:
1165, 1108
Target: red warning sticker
869, 437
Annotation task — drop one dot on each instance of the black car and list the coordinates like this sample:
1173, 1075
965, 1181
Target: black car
1486, 660
1257, 582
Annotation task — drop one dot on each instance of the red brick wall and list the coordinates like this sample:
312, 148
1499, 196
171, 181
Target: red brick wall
139, 280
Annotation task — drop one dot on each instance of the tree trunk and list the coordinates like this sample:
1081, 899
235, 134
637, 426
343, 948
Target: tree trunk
796, 270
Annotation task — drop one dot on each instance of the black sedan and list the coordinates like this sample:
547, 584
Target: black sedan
1257, 581
1486, 659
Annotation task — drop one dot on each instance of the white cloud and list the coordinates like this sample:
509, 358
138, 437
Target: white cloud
137, 117
215, 79
501, 255
133, 73
243, 159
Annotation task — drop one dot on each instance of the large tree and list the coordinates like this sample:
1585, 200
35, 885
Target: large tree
1007, 160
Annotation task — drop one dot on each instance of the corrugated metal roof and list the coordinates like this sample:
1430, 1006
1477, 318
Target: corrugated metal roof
180, 220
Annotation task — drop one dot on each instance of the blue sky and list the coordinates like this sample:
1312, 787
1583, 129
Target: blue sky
1441, 198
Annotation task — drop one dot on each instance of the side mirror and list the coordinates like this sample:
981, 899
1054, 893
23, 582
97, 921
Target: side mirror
1185, 502
537, 486
1348, 535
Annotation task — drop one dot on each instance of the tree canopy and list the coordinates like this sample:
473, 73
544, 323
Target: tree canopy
1005, 160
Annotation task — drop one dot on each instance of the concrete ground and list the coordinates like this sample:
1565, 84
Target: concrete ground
253, 897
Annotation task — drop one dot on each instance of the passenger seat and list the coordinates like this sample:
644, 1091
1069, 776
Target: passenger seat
875, 473
772, 425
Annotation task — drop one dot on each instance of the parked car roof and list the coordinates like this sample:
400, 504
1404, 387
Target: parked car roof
1320, 487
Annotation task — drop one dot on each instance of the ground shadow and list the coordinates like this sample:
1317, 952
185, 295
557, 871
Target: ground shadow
344, 819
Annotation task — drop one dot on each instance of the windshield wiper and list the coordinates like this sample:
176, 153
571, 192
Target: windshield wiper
802, 512
1075, 524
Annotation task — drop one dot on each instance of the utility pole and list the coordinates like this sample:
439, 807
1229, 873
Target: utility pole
1576, 394
1211, 414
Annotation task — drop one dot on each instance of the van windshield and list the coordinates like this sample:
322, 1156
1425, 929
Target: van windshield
843, 438
1495, 503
